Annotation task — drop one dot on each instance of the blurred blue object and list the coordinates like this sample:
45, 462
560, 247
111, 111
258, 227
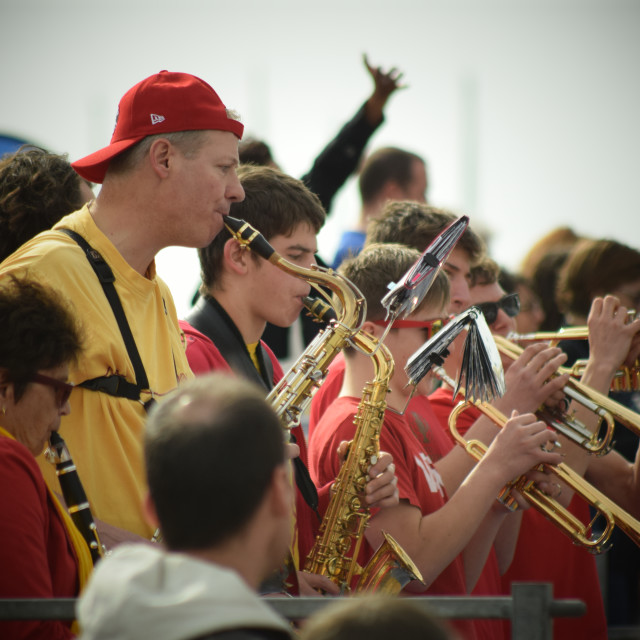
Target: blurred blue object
9, 143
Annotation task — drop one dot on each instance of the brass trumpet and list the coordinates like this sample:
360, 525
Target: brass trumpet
581, 534
625, 379
605, 408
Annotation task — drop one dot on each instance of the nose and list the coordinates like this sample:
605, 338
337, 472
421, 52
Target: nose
234, 191
503, 324
460, 297
65, 409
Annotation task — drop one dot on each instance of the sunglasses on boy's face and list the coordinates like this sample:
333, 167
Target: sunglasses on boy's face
430, 326
61, 389
510, 304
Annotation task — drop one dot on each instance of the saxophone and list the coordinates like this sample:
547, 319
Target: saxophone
343, 526
292, 395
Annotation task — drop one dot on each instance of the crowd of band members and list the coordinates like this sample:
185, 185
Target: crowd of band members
169, 186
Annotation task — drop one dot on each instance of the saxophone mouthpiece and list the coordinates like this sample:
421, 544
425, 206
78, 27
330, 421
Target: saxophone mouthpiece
249, 237
233, 224
319, 310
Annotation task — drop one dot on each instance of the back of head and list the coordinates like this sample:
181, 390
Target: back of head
377, 265
375, 618
595, 268
215, 432
254, 151
275, 204
416, 225
37, 188
558, 239
38, 331
388, 164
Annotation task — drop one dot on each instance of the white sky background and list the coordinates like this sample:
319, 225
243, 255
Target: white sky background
527, 111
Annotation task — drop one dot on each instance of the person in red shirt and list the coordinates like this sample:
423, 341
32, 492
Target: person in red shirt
570, 568
416, 225
447, 536
42, 554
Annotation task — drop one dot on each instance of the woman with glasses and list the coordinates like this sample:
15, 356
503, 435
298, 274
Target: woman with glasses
42, 554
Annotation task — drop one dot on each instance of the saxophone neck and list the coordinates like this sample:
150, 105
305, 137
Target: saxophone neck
380, 355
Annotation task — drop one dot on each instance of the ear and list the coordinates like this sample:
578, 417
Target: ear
281, 491
375, 330
160, 154
149, 511
6, 391
237, 258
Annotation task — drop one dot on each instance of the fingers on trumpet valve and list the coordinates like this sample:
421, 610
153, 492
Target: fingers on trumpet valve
545, 482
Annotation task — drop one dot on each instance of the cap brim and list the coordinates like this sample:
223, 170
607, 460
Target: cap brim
94, 166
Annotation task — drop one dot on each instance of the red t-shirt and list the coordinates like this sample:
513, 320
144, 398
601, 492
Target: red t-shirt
37, 559
545, 554
327, 393
418, 481
437, 442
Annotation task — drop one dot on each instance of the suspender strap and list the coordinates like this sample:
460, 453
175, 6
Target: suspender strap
209, 318
113, 385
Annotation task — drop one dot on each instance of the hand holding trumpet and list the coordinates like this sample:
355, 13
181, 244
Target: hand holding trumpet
613, 340
524, 443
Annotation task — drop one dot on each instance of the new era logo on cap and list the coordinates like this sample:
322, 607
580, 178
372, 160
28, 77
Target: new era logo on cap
156, 119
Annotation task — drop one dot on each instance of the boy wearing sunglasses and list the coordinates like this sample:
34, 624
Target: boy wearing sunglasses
417, 225
570, 569
448, 535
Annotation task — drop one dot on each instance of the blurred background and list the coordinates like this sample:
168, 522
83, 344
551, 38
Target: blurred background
526, 111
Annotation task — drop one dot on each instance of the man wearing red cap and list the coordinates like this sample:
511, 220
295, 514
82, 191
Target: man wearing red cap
168, 178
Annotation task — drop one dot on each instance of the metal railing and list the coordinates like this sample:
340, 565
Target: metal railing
530, 608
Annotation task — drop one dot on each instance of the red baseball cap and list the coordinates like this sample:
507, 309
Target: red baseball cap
163, 103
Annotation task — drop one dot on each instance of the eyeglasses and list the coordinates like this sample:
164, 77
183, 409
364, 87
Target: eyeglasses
62, 389
510, 304
432, 326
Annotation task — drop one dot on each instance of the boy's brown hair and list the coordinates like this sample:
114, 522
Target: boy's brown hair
416, 225
275, 204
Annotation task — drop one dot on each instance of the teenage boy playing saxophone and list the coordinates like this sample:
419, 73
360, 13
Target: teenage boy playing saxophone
241, 292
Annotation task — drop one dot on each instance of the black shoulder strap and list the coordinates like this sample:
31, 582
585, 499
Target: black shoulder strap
113, 385
210, 318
